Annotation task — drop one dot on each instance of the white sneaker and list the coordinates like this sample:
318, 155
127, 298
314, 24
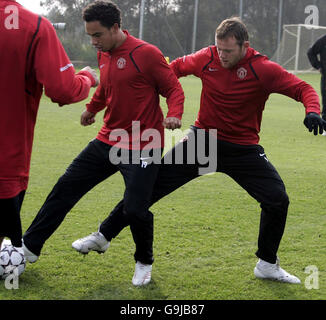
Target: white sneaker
266, 270
29, 255
142, 275
324, 133
5, 242
95, 241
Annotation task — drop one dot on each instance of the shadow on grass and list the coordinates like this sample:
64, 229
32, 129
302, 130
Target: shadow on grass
124, 291
29, 286
279, 290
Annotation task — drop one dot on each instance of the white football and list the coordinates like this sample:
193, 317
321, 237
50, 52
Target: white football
12, 260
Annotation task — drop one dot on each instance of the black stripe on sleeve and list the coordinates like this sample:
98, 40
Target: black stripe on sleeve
253, 71
29, 51
34, 36
210, 61
132, 58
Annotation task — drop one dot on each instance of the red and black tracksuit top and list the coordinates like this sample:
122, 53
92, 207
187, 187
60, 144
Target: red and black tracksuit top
232, 100
132, 78
32, 58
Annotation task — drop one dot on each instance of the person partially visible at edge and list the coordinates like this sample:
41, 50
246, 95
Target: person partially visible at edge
317, 57
32, 58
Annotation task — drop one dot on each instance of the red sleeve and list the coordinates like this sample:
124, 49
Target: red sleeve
192, 63
97, 102
55, 71
165, 80
276, 79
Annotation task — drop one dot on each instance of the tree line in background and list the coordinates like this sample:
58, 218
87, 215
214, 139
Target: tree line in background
168, 24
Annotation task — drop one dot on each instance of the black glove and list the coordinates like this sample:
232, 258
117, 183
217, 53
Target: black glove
313, 121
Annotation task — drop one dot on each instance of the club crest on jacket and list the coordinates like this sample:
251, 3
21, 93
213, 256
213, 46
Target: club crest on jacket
121, 63
242, 72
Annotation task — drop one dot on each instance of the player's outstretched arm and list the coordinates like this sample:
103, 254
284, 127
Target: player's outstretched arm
55, 71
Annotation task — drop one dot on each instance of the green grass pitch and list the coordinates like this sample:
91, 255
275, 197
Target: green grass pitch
205, 232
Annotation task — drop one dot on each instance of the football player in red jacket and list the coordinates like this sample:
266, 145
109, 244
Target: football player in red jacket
32, 58
133, 75
236, 83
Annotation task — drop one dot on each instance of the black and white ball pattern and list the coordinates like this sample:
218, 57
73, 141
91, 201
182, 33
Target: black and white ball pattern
12, 260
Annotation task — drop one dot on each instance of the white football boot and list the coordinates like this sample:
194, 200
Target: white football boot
29, 255
95, 241
142, 275
266, 270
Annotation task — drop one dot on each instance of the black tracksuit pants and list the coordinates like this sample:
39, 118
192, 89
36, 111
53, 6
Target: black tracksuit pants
247, 165
92, 166
11, 226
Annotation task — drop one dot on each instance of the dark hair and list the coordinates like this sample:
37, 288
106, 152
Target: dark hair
232, 27
106, 12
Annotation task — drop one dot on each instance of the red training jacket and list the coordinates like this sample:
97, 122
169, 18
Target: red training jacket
132, 78
233, 100
31, 57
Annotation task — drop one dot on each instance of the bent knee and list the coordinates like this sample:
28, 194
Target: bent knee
134, 214
278, 198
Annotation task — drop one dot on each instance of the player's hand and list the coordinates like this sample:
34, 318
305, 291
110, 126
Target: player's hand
93, 74
87, 118
314, 122
172, 123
